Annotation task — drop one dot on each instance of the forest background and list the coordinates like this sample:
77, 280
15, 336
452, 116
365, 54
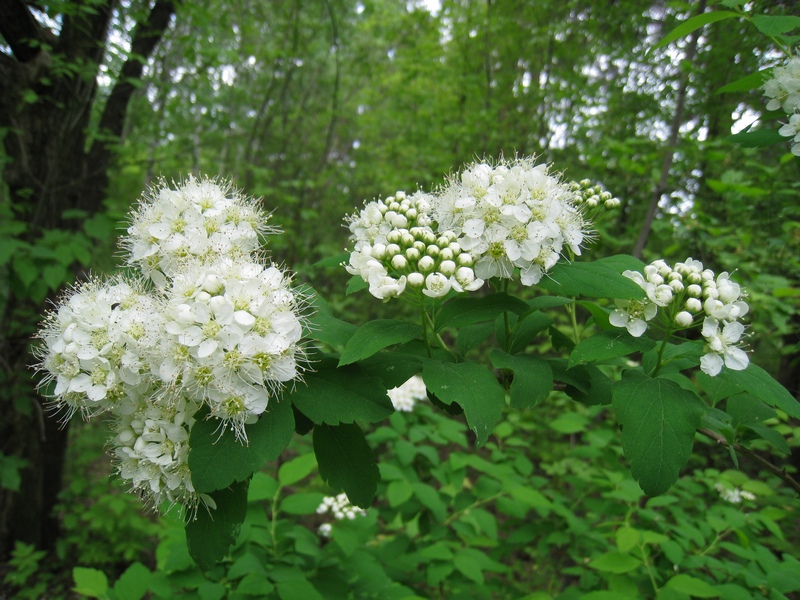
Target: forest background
317, 106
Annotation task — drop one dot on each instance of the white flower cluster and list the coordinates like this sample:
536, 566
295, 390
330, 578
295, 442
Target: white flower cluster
220, 329
511, 215
733, 495
783, 91
339, 506
691, 296
396, 250
405, 397
201, 220
490, 221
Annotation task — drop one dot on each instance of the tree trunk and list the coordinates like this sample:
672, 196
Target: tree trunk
51, 168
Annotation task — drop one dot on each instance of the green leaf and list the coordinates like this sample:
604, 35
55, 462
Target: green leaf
326, 328
658, 419
693, 24
686, 584
775, 25
527, 328
760, 384
211, 534
592, 279
430, 499
302, 504
90, 582
623, 262
298, 589
760, 138
615, 562
608, 344
217, 459
746, 410
747, 83
375, 336
133, 583
296, 469
334, 395
458, 312
346, 462
472, 387
533, 377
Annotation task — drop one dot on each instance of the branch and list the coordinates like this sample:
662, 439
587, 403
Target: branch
19, 28
774, 469
146, 36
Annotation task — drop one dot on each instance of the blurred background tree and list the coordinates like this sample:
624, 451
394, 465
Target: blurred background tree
319, 105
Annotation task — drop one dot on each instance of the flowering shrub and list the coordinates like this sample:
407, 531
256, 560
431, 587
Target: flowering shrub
205, 325
201, 360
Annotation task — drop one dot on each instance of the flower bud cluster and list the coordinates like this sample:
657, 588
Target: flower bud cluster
406, 396
783, 91
339, 506
592, 195
691, 296
220, 329
396, 250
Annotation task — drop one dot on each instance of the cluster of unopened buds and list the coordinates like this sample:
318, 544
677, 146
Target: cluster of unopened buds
690, 296
205, 324
592, 195
491, 221
339, 506
783, 91
397, 250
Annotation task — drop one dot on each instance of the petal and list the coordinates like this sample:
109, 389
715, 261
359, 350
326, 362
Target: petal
636, 327
736, 359
711, 364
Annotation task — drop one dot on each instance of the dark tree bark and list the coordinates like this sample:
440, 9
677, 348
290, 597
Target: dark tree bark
52, 168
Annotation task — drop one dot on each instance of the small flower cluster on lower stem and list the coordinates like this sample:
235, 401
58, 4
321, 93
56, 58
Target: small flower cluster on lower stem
689, 296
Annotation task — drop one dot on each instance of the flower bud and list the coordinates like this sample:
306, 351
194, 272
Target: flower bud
684, 319
415, 279
694, 290
411, 213
393, 237
399, 262
392, 249
711, 292
677, 286
694, 305
447, 267
465, 276
413, 254
428, 237
446, 254
426, 264
694, 277
419, 246
391, 213
399, 221
400, 195
465, 260
432, 250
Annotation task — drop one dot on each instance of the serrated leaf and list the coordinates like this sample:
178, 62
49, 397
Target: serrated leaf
326, 328
458, 311
374, 336
747, 83
533, 377
527, 328
334, 395
472, 387
217, 459
590, 279
658, 419
210, 536
608, 344
775, 25
693, 24
346, 462
760, 384
392, 368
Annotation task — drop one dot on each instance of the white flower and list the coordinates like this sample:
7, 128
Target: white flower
633, 315
406, 396
722, 346
783, 89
